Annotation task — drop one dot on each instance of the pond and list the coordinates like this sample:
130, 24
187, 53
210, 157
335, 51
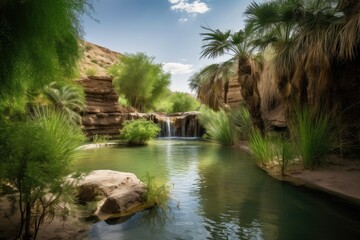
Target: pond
217, 193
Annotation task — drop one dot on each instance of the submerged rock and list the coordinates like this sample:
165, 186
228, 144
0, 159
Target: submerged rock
117, 193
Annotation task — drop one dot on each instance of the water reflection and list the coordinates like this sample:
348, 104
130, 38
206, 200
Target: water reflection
218, 193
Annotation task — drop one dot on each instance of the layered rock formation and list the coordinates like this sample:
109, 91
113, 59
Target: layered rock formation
103, 115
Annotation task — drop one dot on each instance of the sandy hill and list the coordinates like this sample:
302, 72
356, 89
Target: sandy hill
96, 59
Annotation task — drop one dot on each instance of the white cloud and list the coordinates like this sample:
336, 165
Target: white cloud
183, 20
177, 68
194, 7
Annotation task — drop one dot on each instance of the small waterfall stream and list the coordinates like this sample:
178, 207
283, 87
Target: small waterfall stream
168, 127
180, 126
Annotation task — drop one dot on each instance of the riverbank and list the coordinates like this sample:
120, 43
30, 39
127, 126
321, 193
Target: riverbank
338, 178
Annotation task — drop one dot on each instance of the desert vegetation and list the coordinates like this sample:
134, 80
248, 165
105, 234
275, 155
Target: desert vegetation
307, 44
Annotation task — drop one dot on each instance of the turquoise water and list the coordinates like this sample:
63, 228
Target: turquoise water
217, 193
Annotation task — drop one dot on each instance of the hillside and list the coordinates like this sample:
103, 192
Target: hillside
96, 59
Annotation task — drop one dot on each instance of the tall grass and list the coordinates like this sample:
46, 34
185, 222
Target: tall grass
261, 147
314, 136
219, 127
285, 152
272, 149
155, 195
242, 122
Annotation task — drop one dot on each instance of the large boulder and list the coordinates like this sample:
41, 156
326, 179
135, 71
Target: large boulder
117, 193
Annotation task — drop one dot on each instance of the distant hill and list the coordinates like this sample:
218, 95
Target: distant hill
96, 59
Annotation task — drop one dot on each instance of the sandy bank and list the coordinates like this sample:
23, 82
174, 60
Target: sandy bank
339, 178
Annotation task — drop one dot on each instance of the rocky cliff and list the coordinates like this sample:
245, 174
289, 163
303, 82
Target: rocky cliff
103, 115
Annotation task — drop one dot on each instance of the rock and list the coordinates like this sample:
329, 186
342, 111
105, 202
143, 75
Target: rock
117, 192
103, 115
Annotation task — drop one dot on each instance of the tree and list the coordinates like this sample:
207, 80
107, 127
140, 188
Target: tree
309, 38
36, 157
67, 99
212, 84
182, 102
38, 43
238, 44
140, 80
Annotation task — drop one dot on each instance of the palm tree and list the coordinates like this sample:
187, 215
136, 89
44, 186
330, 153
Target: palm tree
238, 45
66, 99
309, 38
212, 84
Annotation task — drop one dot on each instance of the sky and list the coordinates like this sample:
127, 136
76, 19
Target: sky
168, 30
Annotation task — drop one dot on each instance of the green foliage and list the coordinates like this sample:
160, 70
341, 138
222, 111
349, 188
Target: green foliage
67, 99
100, 138
242, 121
218, 126
139, 132
314, 135
36, 157
177, 102
123, 101
140, 80
38, 43
183, 102
285, 152
155, 194
261, 147
90, 72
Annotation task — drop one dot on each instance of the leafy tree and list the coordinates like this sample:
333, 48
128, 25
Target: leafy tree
183, 102
36, 157
139, 132
38, 43
177, 102
140, 80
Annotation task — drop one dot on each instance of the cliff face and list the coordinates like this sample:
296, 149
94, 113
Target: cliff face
103, 115
96, 59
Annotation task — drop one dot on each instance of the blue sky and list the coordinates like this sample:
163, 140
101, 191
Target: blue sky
165, 29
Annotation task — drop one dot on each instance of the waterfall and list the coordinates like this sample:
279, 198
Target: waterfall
185, 125
168, 127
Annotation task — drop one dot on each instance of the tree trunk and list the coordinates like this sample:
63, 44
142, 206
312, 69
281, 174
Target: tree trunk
250, 93
27, 234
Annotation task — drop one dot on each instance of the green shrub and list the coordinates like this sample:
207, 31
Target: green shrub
218, 126
36, 156
123, 101
100, 138
242, 121
314, 136
139, 132
261, 148
155, 194
90, 72
285, 152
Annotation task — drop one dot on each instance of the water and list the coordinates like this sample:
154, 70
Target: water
168, 127
217, 193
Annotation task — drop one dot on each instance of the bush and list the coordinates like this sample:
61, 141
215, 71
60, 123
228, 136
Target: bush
139, 132
261, 147
36, 157
314, 136
90, 72
218, 126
